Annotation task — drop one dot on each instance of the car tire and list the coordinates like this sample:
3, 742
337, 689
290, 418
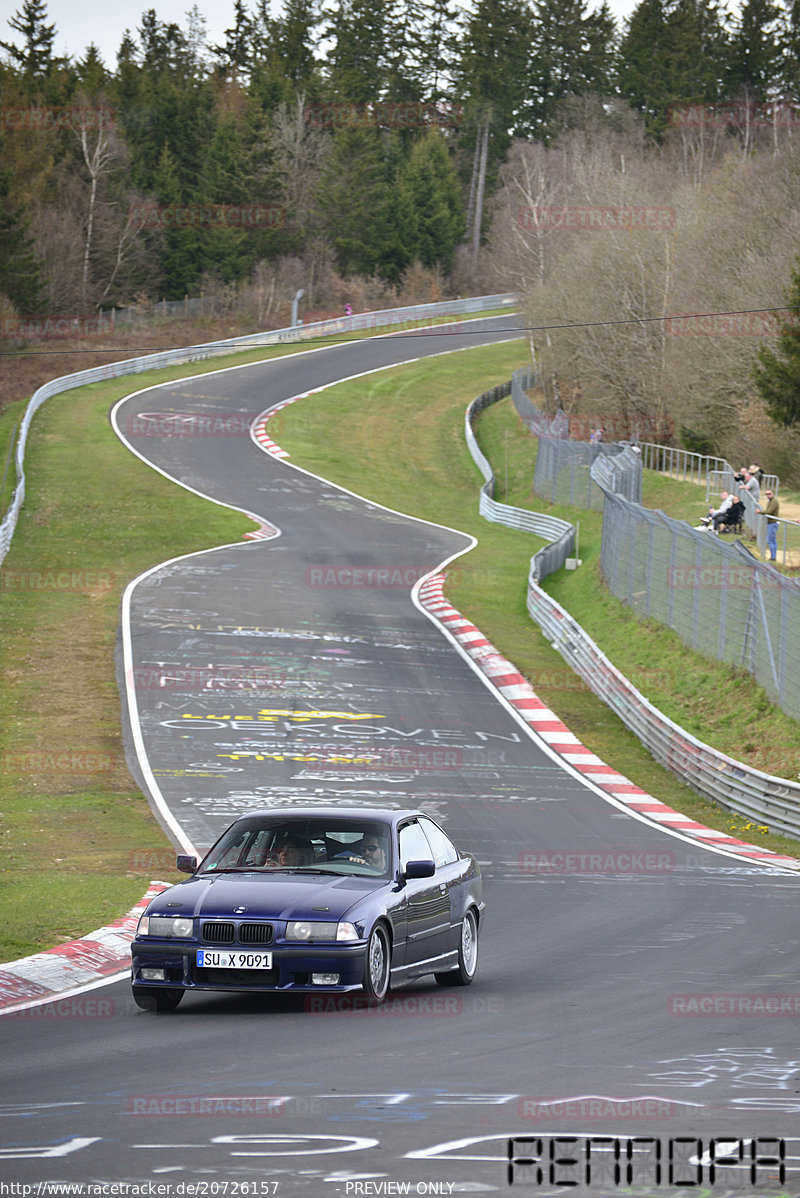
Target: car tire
467, 966
377, 965
156, 1000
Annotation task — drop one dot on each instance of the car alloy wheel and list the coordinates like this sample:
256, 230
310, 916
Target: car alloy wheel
377, 964
467, 966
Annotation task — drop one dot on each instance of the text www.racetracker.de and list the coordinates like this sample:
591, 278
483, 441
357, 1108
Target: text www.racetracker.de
139, 1189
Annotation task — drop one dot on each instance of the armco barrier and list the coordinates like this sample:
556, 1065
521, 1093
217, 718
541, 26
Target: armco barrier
768, 800
761, 797
198, 353
549, 528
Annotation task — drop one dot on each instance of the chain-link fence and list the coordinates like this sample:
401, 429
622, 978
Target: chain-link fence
537, 421
718, 598
571, 472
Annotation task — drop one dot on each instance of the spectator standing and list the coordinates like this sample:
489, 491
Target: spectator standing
771, 510
750, 484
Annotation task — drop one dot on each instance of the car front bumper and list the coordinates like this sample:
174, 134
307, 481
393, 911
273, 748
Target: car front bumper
292, 967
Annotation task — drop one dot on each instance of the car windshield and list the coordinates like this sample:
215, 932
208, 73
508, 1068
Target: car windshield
308, 845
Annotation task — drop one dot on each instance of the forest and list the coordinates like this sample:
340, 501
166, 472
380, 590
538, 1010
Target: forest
639, 187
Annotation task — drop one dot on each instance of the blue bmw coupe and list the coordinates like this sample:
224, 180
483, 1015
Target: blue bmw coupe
310, 900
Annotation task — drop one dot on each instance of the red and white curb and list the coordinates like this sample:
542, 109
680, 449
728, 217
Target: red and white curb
264, 532
260, 429
520, 694
77, 964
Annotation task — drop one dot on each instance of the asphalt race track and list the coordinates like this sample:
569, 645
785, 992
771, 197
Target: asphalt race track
659, 1003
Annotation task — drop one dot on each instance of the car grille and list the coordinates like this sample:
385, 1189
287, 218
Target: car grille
218, 932
255, 933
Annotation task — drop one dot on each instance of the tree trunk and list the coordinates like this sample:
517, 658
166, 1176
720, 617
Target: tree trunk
483, 138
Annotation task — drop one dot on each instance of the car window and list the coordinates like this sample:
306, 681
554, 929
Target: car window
413, 845
444, 851
347, 846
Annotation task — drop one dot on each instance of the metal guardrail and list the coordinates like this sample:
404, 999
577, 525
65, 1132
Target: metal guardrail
679, 463
198, 353
549, 528
788, 540
761, 797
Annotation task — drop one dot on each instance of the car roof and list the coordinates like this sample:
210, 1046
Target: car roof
357, 814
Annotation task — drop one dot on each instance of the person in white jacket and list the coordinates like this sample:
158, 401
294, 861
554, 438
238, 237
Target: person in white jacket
716, 516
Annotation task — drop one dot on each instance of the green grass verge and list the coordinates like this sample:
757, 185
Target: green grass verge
398, 439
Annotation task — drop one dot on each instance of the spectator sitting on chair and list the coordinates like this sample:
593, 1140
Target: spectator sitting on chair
772, 509
716, 516
733, 517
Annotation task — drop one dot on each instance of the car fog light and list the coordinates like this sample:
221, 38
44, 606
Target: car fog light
325, 979
153, 975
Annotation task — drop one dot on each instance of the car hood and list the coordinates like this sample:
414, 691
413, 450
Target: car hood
265, 896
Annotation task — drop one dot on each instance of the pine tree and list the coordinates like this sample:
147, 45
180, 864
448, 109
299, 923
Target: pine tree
181, 252
777, 376
236, 56
294, 36
698, 49
35, 58
91, 72
19, 268
643, 76
754, 54
572, 52
431, 213
492, 73
355, 203
359, 62
789, 44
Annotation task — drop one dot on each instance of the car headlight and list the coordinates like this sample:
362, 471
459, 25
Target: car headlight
305, 929
168, 927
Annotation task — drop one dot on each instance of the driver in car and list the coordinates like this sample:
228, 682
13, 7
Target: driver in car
372, 852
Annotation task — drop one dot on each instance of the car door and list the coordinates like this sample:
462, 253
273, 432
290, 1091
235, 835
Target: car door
451, 870
427, 900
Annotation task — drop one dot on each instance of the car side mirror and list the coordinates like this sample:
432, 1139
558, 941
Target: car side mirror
419, 869
186, 864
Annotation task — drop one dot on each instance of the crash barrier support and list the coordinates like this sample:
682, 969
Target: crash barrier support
763, 798
391, 317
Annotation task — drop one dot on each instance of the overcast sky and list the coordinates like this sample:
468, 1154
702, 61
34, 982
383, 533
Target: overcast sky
79, 22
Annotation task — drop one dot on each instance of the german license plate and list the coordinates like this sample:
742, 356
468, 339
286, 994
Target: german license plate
212, 958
